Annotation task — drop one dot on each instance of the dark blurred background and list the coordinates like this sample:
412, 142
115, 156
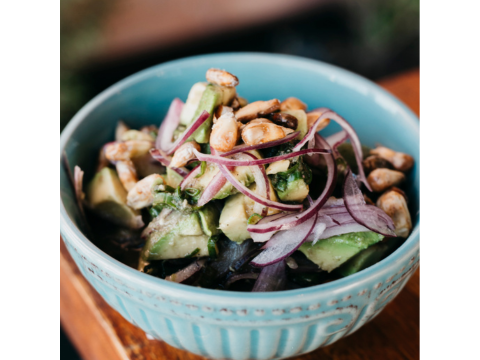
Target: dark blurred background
104, 41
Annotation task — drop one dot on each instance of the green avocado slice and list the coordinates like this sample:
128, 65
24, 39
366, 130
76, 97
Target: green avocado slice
211, 98
330, 253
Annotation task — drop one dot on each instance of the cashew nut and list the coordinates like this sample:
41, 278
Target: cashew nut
292, 103
382, 179
221, 77
141, 194
184, 154
400, 161
127, 173
395, 206
252, 110
260, 131
224, 134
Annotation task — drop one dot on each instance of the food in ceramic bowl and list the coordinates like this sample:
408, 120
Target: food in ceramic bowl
214, 224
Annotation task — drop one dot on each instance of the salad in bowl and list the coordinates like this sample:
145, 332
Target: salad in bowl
245, 196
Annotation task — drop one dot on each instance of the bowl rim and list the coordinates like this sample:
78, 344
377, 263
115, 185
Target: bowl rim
69, 230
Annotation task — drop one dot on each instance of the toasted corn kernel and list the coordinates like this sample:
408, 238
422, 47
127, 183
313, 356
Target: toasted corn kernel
261, 131
184, 154
395, 206
292, 103
127, 150
376, 162
382, 179
313, 116
224, 134
127, 173
285, 120
136, 135
221, 77
141, 194
400, 161
252, 110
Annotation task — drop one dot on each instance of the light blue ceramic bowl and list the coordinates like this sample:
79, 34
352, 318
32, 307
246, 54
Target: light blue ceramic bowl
224, 324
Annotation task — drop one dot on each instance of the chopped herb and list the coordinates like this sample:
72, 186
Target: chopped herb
251, 219
202, 169
192, 192
212, 248
193, 253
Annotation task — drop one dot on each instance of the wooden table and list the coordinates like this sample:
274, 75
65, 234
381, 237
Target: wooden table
99, 332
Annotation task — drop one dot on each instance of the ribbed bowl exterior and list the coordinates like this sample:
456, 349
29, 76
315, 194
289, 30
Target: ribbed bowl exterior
225, 324
225, 328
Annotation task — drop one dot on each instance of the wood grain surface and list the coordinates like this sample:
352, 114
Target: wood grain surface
99, 332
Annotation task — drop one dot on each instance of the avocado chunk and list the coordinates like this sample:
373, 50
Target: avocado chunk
296, 190
363, 259
173, 178
211, 98
330, 253
191, 105
208, 215
174, 234
108, 198
236, 212
302, 122
233, 220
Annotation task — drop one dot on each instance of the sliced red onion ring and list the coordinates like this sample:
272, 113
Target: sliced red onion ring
245, 147
257, 237
188, 132
186, 180
284, 243
78, 186
335, 230
310, 135
261, 180
221, 160
371, 217
234, 278
297, 219
169, 124
212, 189
255, 197
185, 273
352, 135
272, 278
165, 160
337, 139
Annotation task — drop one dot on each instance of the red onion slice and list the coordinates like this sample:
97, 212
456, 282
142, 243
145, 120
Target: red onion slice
371, 217
284, 243
257, 237
234, 278
186, 180
352, 135
271, 278
212, 189
297, 219
261, 180
185, 273
165, 160
310, 135
328, 232
188, 132
337, 139
221, 160
247, 192
245, 147
78, 186
169, 124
